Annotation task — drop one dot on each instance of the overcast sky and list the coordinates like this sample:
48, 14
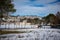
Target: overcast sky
36, 7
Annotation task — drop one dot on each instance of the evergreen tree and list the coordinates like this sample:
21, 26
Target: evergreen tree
6, 7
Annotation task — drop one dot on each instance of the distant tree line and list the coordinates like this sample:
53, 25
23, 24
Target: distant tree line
53, 19
32, 21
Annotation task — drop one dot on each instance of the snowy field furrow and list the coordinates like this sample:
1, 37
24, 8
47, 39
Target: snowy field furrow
36, 34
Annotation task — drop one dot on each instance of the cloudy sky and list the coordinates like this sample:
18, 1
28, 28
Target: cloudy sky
36, 7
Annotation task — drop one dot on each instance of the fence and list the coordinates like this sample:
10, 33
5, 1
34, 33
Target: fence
8, 25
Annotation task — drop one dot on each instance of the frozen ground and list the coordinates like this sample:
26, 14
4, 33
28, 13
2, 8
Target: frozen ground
36, 34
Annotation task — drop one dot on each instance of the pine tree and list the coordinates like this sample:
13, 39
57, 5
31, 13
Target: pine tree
6, 7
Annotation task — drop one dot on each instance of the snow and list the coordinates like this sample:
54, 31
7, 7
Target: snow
12, 25
36, 34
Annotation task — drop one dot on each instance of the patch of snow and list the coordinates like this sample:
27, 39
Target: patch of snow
37, 34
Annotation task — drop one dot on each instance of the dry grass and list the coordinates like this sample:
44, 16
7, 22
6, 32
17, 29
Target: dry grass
9, 32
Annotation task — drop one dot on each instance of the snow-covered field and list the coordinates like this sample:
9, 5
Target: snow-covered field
36, 34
